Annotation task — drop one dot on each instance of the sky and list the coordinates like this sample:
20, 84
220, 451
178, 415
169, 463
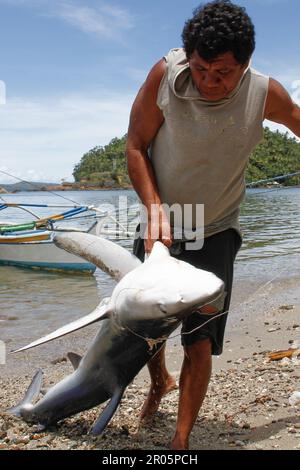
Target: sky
70, 70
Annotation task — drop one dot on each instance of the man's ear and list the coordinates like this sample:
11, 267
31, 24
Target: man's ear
246, 65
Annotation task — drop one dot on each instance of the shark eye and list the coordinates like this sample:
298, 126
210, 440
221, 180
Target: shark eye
162, 308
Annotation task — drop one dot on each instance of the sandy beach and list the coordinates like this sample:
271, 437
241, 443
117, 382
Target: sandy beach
247, 406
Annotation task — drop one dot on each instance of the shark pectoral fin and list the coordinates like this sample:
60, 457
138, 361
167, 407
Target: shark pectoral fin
108, 412
31, 394
108, 256
74, 359
100, 313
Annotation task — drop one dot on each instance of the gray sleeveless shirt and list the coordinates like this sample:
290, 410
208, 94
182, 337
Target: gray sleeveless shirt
201, 151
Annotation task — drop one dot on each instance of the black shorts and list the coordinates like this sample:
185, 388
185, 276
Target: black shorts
217, 255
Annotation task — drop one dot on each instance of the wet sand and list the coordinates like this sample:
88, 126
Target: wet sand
247, 405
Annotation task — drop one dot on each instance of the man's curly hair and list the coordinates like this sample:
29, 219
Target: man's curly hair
219, 27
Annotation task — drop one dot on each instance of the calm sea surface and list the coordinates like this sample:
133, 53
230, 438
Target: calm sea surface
31, 301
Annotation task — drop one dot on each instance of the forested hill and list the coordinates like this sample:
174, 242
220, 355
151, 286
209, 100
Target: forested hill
104, 166
278, 154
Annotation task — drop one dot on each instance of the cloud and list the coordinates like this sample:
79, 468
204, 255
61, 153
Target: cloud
42, 139
49, 136
105, 20
281, 70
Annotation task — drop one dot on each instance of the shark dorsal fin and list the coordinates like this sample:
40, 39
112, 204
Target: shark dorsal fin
159, 251
74, 359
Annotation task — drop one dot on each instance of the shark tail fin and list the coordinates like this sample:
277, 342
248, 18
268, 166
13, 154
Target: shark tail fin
74, 359
31, 394
108, 412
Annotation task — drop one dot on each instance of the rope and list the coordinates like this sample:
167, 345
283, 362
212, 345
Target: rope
275, 178
34, 185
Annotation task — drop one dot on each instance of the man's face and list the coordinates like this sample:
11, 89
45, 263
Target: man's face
216, 79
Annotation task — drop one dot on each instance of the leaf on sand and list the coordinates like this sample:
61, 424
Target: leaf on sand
278, 355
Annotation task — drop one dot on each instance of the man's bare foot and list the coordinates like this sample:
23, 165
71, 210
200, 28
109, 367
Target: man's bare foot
156, 392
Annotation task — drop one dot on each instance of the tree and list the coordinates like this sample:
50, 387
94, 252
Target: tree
278, 154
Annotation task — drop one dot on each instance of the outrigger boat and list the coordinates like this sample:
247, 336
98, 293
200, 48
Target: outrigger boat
30, 245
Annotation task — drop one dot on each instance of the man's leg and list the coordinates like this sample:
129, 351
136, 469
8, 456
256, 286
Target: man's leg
194, 380
161, 383
204, 339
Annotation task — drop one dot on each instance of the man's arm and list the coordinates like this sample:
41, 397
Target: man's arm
280, 107
145, 121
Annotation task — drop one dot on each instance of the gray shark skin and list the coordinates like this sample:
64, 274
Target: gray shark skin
127, 338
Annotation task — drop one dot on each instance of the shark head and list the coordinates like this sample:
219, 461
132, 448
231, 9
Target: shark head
163, 287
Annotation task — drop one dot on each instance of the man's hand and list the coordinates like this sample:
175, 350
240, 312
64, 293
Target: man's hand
158, 228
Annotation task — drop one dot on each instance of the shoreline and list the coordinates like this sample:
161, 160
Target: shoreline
246, 407
119, 188
62, 189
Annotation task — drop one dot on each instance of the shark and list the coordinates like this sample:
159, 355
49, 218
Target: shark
146, 306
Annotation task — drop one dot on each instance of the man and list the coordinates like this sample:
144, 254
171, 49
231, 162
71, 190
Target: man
198, 116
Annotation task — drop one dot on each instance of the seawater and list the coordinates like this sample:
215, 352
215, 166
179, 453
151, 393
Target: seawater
35, 302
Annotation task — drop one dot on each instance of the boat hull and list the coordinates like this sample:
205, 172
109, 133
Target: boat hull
41, 255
